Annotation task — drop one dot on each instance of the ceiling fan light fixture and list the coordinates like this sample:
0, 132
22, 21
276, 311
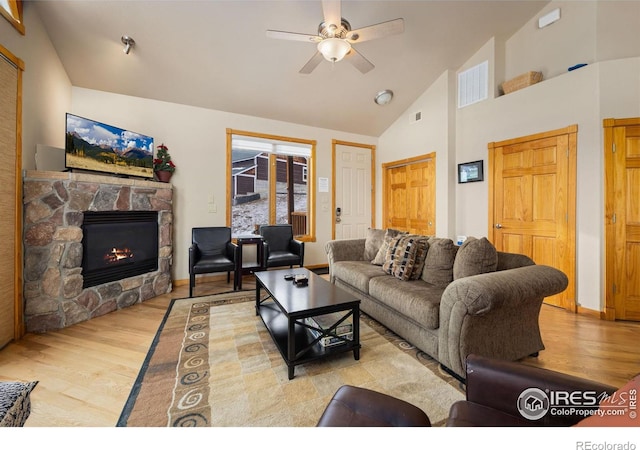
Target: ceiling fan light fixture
383, 97
334, 49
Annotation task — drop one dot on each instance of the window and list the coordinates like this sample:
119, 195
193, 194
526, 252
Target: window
12, 11
270, 181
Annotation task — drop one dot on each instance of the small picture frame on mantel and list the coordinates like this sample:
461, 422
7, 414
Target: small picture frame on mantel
470, 172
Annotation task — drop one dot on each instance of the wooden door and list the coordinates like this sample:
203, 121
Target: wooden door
353, 172
622, 220
11, 315
532, 201
410, 195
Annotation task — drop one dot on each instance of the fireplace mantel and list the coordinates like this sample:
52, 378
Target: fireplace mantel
54, 206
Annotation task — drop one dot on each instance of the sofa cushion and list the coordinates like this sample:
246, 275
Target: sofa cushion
389, 234
373, 242
438, 264
356, 273
416, 300
475, 256
405, 256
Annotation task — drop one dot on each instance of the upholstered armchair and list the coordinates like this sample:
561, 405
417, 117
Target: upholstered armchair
211, 251
280, 248
494, 389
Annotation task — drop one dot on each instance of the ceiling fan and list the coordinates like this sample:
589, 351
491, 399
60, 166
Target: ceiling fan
335, 38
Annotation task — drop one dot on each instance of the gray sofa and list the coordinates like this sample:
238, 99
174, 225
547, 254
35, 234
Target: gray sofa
493, 313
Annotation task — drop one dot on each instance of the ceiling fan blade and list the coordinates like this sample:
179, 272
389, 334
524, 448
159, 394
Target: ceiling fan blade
360, 62
379, 30
331, 11
312, 63
293, 36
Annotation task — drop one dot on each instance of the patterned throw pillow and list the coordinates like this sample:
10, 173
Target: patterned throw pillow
405, 256
15, 403
390, 233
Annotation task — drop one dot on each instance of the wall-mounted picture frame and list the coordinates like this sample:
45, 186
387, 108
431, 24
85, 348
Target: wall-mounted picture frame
471, 171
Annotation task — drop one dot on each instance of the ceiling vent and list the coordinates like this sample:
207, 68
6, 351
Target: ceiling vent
415, 117
473, 85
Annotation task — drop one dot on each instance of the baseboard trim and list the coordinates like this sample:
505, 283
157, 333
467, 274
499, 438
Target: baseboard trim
591, 312
205, 279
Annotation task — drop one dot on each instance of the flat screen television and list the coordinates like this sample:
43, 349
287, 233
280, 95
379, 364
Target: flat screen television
99, 147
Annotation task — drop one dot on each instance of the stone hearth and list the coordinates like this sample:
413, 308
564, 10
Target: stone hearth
54, 203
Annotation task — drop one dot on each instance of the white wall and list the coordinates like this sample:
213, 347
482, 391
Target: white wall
196, 139
551, 50
587, 32
434, 133
45, 85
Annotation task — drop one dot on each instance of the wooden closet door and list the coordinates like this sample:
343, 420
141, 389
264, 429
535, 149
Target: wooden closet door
622, 199
409, 202
10, 199
532, 202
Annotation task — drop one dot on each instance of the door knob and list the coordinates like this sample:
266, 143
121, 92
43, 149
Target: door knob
498, 226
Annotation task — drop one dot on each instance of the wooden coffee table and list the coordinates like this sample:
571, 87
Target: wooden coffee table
285, 306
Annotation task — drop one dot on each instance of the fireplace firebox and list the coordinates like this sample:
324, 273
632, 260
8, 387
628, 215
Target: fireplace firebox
118, 245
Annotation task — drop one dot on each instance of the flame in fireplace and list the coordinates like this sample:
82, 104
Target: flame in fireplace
117, 255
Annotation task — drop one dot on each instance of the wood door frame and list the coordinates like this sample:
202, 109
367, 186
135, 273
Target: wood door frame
372, 148
400, 163
611, 277
19, 326
569, 258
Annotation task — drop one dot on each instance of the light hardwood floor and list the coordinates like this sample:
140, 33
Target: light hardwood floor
86, 371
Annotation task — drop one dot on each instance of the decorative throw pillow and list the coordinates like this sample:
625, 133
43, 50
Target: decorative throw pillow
405, 256
389, 234
475, 256
373, 242
15, 403
438, 265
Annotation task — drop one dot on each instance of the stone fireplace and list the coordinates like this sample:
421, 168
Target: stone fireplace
56, 293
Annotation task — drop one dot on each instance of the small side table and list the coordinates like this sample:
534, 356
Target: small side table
243, 268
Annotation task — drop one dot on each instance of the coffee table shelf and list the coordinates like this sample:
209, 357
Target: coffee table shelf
284, 307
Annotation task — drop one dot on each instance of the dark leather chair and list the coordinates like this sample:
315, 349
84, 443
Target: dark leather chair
492, 390
280, 248
359, 407
211, 251
494, 386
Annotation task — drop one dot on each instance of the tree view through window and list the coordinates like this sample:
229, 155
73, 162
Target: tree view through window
270, 183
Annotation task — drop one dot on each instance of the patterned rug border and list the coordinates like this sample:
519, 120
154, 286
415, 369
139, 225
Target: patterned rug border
135, 390
246, 296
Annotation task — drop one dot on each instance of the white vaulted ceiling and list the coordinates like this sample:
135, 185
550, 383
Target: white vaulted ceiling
215, 54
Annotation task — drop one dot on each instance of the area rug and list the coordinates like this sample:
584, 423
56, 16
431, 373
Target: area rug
213, 363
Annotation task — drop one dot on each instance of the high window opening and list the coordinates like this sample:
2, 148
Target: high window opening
270, 181
12, 11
